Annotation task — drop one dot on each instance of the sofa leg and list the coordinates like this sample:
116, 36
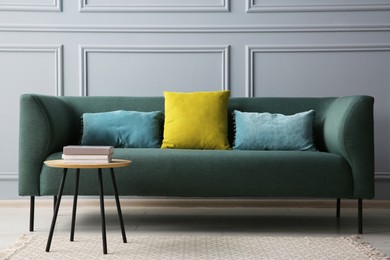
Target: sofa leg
32, 207
338, 208
360, 216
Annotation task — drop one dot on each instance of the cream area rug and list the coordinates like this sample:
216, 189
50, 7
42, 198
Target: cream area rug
188, 247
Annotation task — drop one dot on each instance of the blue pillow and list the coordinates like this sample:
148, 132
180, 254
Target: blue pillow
122, 129
265, 131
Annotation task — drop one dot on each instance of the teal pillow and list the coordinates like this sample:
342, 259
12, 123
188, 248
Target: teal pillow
128, 129
265, 131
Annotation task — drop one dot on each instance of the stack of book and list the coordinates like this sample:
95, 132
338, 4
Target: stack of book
87, 154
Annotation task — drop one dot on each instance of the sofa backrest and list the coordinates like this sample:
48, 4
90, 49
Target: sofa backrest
288, 106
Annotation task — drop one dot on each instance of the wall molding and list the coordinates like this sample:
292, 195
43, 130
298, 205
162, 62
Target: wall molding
382, 176
251, 50
85, 50
9, 176
57, 50
60, 28
252, 7
50, 6
179, 7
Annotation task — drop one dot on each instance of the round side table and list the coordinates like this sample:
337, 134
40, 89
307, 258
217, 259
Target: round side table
99, 166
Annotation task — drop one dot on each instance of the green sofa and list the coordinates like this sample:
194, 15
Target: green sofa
343, 166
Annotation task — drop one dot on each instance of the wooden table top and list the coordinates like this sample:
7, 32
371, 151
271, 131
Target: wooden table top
115, 163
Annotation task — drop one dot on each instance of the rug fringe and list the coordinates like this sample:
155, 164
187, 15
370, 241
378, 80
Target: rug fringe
366, 248
19, 244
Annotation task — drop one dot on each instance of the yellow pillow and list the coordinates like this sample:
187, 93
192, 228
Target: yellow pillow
196, 120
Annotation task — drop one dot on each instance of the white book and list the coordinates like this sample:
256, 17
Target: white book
88, 161
86, 157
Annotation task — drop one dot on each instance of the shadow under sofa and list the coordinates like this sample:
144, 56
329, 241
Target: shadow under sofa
341, 168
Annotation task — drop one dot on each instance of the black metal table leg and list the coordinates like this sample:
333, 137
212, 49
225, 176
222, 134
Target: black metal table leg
102, 211
360, 216
53, 222
32, 208
76, 192
118, 205
338, 205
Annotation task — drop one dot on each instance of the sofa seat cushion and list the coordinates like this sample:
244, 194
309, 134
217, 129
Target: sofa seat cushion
222, 173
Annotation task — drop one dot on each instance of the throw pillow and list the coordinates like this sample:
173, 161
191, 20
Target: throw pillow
265, 131
122, 129
196, 120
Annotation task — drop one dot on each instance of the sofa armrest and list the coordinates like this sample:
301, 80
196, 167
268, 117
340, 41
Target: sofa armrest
45, 126
349, 132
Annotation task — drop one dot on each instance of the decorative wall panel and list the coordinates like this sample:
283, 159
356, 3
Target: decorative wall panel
316, 5
31, 5
23, 69
143, 70
154, 5
315, 70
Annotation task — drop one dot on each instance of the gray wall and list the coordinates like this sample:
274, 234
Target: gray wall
142, 47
